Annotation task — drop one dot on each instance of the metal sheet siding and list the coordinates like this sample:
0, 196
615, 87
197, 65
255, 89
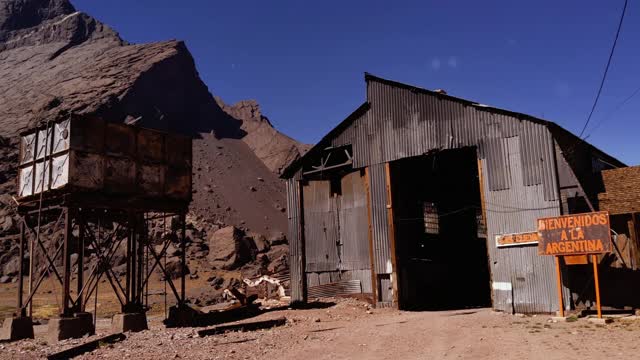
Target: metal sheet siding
321, 231
379, 220
403, 123
522, 280
296, 242
354, 241
519, 172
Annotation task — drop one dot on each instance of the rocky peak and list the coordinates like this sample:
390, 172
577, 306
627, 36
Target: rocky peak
37, 22
22, 14
244, 110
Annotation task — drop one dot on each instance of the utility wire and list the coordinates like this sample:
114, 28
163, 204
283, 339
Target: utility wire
606, 69
598, 124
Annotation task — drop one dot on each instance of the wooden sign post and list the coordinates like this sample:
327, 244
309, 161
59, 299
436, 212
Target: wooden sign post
577, 234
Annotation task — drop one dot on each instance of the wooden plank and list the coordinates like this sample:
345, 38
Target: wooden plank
86, 347
486, 226
251, 326
633, 235
392, 233
301, 256
374, 276
482, 197
559, 282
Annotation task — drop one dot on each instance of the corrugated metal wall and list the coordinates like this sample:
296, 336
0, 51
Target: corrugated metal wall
295, 237
403, 122
517, 156
522, 280
353, 220
379, 221
321, 230
335, 232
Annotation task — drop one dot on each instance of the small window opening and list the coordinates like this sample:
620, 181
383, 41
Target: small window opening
431, 218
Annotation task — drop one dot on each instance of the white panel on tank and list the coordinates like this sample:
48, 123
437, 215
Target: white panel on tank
42, 137
25, 178
42, 168
59, 171
61, 136
27, 148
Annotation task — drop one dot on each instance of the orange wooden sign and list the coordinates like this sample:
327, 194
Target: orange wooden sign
577, 234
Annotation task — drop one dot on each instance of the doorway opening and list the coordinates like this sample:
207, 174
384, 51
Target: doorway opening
441, 246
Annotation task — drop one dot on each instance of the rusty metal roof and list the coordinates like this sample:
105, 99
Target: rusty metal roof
571, 143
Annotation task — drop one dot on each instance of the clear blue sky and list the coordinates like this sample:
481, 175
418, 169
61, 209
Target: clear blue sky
303, 61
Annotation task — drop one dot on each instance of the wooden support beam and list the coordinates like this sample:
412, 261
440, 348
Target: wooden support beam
392, 234
86, 347
596, 279
80, 252
301, 257
20, 272
66, 260
559, 281
374, 276
183, 258
251, 326
483, 206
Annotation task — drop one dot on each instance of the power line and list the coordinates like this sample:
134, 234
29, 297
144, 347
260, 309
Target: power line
606, 70
598, 124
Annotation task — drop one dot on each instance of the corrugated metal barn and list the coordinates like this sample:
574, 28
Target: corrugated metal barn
403, 201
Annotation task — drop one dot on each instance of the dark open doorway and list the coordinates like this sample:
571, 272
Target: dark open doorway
441, 247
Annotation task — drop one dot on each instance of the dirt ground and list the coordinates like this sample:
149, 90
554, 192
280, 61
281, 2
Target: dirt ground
349, 329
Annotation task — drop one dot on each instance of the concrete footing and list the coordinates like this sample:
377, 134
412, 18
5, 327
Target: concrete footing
17, 328
133, 322
77, 326
603, 321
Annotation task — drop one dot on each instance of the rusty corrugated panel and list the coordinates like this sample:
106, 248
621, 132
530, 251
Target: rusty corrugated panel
342, 288
321, 232
407, 123
517, 156
354, 241
323, 278
380, 224
296, 245
521, 278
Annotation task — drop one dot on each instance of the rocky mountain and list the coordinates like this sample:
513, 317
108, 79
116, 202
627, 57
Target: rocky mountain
275, 149
55, 61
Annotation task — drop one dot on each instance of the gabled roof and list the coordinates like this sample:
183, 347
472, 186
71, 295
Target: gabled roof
555, 129
325, 141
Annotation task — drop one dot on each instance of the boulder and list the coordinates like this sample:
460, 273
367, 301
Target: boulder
227, 249
259, 242
277, 238
12, 267
174, 269
5, 279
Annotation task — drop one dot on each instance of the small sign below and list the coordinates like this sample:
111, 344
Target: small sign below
525, 238
578, 234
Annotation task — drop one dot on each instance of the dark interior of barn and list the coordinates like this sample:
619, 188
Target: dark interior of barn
441, 248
